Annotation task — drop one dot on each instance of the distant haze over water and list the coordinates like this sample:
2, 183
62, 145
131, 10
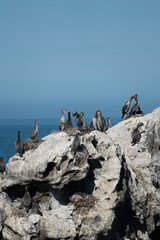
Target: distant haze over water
9, 128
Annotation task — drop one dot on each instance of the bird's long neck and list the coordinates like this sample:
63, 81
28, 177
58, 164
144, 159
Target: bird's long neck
36, 126
18, 136
130, 99
62, 117
137, 100
100, 116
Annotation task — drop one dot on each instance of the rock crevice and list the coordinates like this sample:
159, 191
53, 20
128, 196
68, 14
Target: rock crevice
107, 190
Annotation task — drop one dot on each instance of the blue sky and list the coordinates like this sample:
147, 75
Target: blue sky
82, 55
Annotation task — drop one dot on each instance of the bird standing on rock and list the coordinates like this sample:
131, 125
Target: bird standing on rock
84, 122
136, 134
78, 120
19, 146
35, 131
76, 143
27, 200
126, 106
62, 120
69, 124
135, 106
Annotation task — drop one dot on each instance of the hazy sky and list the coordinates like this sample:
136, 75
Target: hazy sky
82, 55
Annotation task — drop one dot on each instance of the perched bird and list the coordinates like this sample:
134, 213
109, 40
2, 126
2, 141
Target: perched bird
136, 134
126, 106
84, 122
35, 131
2, 165
78, 119
62, 120
135, 106
19, 146
69, 124
100, 120
93, 123
27, 200
76, 143
105, 126
109, 122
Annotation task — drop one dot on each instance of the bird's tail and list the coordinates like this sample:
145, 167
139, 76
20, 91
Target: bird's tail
133, 143
122, 115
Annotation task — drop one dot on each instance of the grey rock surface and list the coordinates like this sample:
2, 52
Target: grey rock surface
107, 190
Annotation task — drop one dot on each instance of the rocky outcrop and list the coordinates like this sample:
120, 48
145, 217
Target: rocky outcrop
108, 190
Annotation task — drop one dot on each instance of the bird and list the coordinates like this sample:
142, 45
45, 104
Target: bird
84, 122
76, 143
109, 122
69, 124
105, 125
35, 131
135, 106
62, 120
126, 106
27, 200
77, 119
136, 134
2, 165
100, 120
19, 146
93, 123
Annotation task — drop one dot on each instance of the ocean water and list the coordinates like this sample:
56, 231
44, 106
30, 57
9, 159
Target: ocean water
9, 128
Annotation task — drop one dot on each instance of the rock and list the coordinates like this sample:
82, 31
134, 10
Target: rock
107, 190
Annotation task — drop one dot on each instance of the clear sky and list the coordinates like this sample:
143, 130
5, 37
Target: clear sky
82, 55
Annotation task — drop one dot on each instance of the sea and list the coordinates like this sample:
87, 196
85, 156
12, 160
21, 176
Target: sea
10, 127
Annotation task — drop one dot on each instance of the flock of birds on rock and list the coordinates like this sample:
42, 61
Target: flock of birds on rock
98, 123
134, 110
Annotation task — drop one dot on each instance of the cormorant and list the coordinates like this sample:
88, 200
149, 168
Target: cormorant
19, 146
84, 122
105, 126
135, 106
136, 134
76, 143
69, 122
27, 200
126, 106
62, 120
77, 119
35, 131
100, 120
93, 123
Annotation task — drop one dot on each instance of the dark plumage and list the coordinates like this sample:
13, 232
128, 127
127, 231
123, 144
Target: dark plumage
2, 165
76, 143
84, 122
27, 200
93, 123
135, 106
69, 122
19, 146
35, 131
126, 106
105, 126
136, 134
100, 120
77, 119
